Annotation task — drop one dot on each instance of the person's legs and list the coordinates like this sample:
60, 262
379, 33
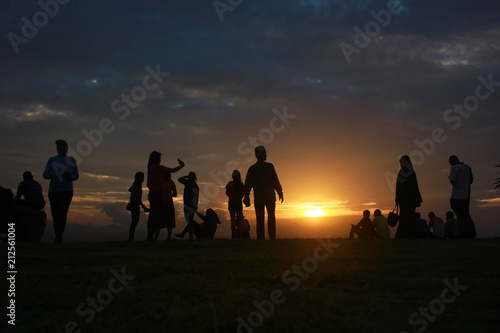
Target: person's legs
193, 228
196, 229
54, 209
354, 231
460, 208
259, 216
155, 212
169, 217
271, 219
406, 226
239, 218
189, 217
59, 206
186, 230
234, 223
135, 213
189, 214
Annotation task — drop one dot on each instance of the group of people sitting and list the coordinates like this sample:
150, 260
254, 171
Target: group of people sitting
25, 209
434, 228
437, 228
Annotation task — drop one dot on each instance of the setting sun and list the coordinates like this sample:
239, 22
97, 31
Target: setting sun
314, 212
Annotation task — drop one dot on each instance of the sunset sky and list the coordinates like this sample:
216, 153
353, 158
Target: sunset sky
336, 91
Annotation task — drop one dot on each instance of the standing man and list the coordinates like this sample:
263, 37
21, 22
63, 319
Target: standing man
62, 171
461, 179
263, 179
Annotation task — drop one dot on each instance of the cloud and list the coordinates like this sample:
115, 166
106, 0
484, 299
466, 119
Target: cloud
36, 113
117, 212
102, 177
486, 203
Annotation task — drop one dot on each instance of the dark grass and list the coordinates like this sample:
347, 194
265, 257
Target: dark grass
182, 286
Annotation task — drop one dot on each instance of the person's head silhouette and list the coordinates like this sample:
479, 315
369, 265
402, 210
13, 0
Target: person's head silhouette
236, 176
453, 160
61, 147
27, 175
260, 153
139, 177
192, 176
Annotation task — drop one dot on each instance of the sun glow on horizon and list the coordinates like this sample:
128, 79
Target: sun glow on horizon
314, 212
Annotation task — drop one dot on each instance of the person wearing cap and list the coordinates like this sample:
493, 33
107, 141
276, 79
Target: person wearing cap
31, 191
62, 171
263, 179
235, 193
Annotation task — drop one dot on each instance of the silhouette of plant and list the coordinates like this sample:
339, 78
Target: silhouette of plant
497, 183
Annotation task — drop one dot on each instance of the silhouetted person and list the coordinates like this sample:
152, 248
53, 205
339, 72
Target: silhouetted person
364, 229
243, 230
451, 226
62, 172
29, 216
156, 175
421, 227
169, 192
263, 179
461, 178
135, 203
205, 230
408, 198
381, 225
190, 198
29, 192
235, 191
436, 226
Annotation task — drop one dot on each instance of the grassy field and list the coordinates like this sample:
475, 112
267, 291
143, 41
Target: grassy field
289, 285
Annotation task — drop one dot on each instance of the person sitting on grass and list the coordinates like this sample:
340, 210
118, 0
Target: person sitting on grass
243, 230
381, 225
364, 229
421, 227
205, 230
436, 226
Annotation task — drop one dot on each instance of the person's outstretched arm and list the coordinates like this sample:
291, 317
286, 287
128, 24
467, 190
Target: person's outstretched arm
177, 168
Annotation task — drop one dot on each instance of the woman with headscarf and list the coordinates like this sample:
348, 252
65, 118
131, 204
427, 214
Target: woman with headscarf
408, 198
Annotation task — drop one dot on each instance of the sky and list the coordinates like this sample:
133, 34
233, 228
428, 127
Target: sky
336, 91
